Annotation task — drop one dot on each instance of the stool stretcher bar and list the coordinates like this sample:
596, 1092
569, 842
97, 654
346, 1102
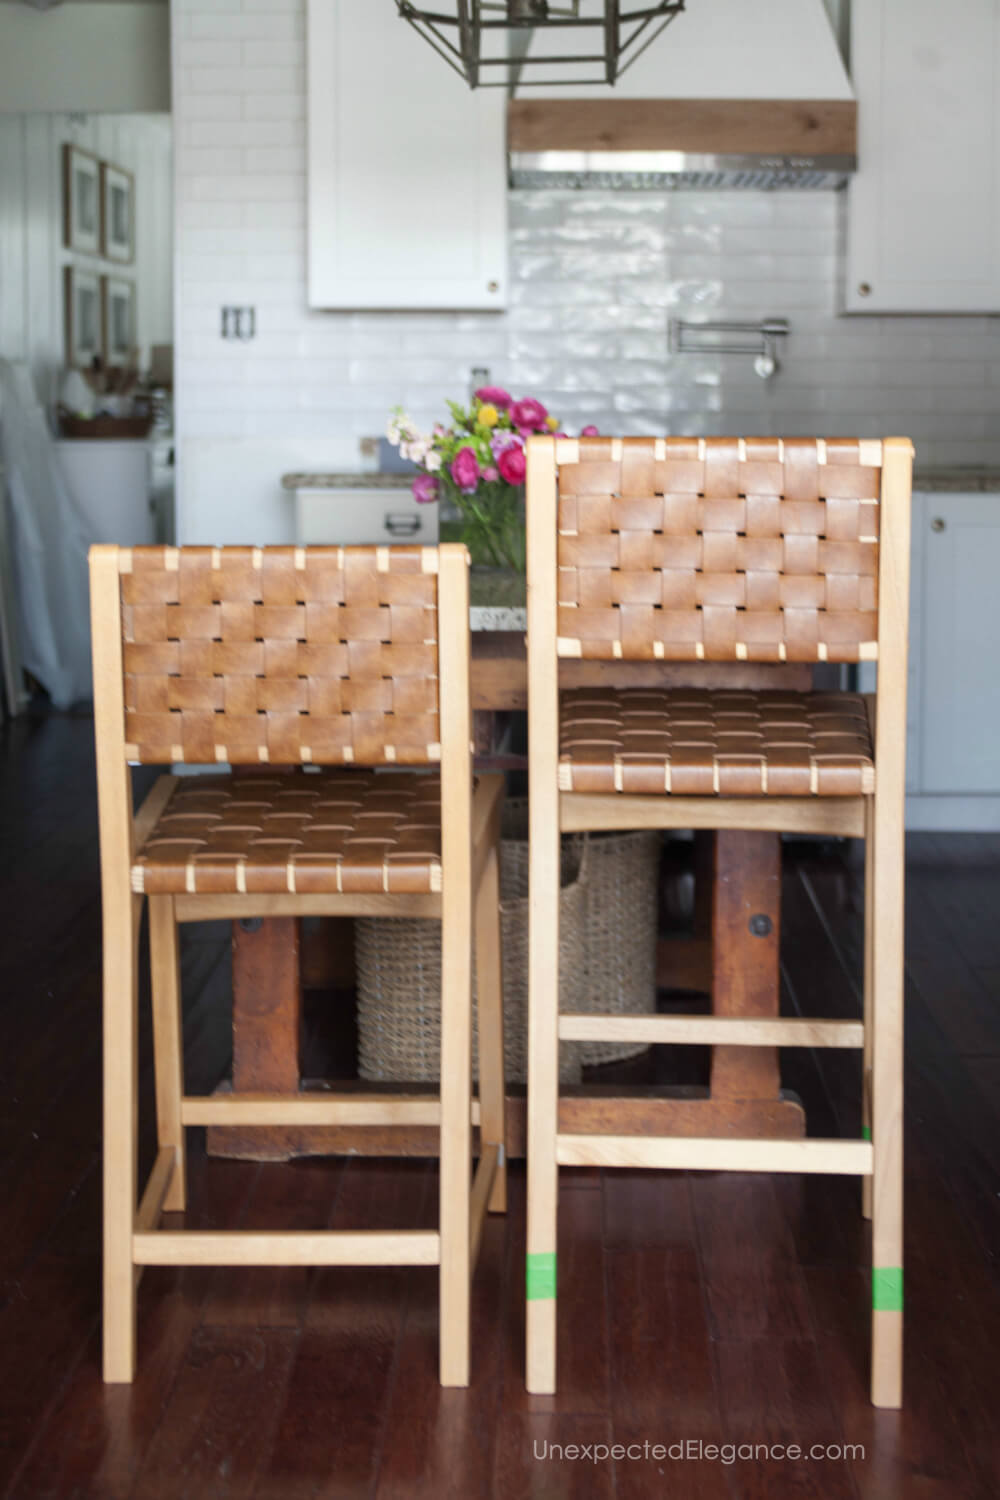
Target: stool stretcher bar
317, 1108
738, 1031
709, 1154
338, 1247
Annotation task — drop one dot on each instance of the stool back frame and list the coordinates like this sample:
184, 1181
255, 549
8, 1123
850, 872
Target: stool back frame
285, 655
692, 550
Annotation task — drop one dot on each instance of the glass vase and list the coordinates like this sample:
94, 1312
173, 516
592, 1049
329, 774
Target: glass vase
492, 523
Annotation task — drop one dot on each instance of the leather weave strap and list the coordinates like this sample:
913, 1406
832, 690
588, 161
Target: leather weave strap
719, 549
281, 655
697, 743
308, 833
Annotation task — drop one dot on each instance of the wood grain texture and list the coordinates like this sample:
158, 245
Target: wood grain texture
781, 127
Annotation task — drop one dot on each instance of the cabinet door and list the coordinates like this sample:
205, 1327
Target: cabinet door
407, 169
923, 231
960, 676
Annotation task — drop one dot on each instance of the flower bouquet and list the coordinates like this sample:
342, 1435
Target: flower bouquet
479, 464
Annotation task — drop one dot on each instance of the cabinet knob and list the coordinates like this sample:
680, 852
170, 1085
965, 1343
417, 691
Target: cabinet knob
864, 288
938, 523
493, 286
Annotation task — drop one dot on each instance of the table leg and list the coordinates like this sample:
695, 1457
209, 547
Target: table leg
744, 1099
746, 906
267, 1024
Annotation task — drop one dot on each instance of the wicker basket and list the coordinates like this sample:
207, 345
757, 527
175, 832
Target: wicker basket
607, 957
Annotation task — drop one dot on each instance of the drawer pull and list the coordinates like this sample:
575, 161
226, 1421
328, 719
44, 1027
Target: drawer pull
401, 525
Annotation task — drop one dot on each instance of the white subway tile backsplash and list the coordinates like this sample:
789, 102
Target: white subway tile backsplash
595, 279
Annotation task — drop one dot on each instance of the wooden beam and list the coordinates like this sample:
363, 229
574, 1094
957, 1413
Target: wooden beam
315, 1109
837, 817
236, 1247
714, 1154
735, 1031
148, 1214
279, 904
775, 127
480, 1197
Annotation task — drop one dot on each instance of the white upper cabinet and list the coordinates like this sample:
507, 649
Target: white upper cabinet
407, 169
923, 224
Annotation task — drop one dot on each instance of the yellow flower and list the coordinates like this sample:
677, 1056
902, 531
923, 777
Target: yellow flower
488, 416
552, 423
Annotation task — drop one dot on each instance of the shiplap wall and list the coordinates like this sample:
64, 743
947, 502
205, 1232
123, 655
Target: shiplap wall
31, 230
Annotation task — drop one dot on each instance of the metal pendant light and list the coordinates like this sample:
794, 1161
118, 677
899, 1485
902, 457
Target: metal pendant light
516, 43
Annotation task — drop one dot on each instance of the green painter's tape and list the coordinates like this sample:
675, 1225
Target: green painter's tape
866, 1132
541, 1276
887, 1288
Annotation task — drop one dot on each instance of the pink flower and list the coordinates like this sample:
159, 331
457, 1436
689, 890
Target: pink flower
494, 395
465, 470
528, 415
425, 489
491, 473
504, 439
589, 431
512, 466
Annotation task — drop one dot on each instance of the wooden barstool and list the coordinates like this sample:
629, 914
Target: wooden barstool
354, 657
720, 549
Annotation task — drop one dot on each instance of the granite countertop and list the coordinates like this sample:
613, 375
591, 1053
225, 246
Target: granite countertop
369, 480
957, 481
973, 481
497, 600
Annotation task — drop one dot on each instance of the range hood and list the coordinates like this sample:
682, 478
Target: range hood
734, 96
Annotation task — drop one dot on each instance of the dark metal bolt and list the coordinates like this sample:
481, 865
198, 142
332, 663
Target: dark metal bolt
761, 924
250, 924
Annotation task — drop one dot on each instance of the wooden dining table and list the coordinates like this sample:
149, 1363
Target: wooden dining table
733, 956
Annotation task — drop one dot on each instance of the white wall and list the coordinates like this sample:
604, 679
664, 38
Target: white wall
105, 56
31, 230
595, 278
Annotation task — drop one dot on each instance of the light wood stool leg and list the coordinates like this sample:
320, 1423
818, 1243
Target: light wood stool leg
489, 989
887, 1105
866, 1067
543, 1093
168, 1042
456, 1128
121, 922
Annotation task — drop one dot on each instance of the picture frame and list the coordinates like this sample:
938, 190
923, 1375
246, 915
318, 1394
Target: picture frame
118, 319
82, 307
81, 200
117, 214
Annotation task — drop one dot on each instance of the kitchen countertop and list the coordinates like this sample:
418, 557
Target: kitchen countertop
974, 481
365, 481
956, 481
497, 600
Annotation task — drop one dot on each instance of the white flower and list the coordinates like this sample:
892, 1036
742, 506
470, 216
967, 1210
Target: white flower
419, 449
433, 461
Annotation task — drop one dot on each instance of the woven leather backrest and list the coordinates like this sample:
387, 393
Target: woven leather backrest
719, 549
281, 654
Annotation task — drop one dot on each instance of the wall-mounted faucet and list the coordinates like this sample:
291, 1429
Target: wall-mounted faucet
757, 339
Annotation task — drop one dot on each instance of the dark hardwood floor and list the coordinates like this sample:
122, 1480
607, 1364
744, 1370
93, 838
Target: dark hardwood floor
720, 1308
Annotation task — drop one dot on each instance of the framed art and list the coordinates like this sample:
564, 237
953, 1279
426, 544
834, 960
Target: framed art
117, 319
82, 308
81, 200
117, 214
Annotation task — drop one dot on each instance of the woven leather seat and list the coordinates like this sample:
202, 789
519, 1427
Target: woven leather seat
305, 832
696, 743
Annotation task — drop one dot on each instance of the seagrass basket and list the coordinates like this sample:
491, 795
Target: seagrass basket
607, 957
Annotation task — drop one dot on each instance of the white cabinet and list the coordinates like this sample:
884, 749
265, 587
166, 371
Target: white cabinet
407, 169
953, 750
362, 517
923, 213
